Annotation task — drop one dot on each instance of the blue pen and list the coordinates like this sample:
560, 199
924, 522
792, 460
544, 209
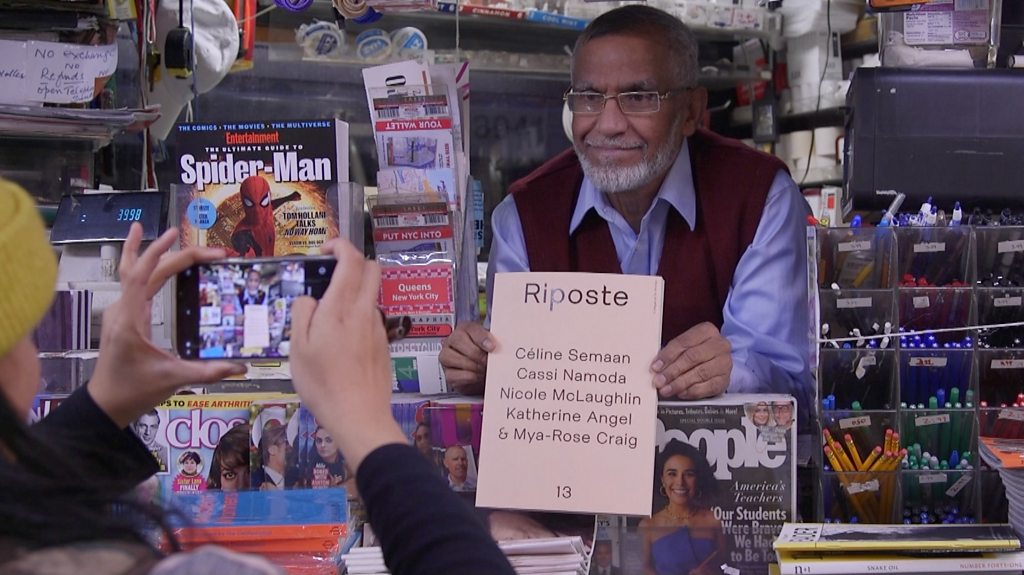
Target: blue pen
958, 215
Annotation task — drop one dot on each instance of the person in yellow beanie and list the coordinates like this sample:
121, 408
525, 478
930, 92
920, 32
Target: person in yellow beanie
59, 479
60, 476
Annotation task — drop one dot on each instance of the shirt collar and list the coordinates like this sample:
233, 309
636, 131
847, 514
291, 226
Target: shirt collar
276, 478
677, 190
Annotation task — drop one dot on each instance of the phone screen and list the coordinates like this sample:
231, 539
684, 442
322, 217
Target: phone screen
241, 309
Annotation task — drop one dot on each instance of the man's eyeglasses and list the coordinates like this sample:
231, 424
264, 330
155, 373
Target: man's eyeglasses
629, 102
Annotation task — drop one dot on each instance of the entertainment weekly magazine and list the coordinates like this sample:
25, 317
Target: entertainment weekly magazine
262, 189
724, 484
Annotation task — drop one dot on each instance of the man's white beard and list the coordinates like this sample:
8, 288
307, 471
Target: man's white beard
614, 180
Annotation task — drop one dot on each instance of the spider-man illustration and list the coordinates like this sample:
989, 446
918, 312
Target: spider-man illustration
254, 234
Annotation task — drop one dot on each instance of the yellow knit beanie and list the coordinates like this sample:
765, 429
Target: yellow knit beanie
28, 268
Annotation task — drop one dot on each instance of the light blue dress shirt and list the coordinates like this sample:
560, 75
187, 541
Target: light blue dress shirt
766, 315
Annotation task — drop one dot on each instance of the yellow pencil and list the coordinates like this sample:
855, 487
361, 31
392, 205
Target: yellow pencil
854, 455
853, 497
881, 462
872, 457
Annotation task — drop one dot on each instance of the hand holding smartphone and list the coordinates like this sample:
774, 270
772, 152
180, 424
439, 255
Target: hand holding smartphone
240, 308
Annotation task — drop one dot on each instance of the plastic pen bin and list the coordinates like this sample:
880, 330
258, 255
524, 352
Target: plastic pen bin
928, 308
929, 378
1000, 377
858, 378
943, 496
867, 311
860, 497
933, 256
997, 306
1000, 261
856, 258
939, 439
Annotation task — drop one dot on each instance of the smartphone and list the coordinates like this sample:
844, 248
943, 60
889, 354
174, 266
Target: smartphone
241, 308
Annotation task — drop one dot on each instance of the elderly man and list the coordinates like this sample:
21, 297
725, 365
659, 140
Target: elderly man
644, 190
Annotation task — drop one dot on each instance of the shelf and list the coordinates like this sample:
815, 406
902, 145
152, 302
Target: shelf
78, 124
758, 22
489, 30
740, 118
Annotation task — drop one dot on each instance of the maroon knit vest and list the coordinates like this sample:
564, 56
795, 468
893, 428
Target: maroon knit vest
731, 182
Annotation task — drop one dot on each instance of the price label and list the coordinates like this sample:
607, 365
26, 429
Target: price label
1007, 363
1010, 301
929, 478
958, 486
854, 246
926, 420
1010, 246
927, 362
1014, 414
921, 301
853, 302
855, 488
929, 247
852, 422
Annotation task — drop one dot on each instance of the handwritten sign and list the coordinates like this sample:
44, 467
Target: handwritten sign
858, 246
929, 247
927, 362
959, 485
59, 73
854, 422
1010, 246
925, 420
1007, 363
853, 302
12, 72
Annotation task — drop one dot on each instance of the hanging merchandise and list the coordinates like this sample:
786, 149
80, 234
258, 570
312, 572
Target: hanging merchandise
293, 5
178, 57
357, 11
214, 42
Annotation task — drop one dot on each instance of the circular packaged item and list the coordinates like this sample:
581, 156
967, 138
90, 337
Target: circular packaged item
408, 41
320, 39
352, 8
373, 45
371, 33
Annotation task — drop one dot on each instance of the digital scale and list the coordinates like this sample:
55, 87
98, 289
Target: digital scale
91, 228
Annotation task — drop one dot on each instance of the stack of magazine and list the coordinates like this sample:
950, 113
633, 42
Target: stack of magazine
851, 549
545, 556
299, 530
1004, 455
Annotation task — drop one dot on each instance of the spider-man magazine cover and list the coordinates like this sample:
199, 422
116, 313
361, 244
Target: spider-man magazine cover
263, 189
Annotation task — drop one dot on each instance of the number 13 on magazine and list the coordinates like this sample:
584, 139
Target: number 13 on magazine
569, 409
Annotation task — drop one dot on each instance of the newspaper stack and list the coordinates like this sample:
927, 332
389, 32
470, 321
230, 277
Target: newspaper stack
1005, 454
547, 556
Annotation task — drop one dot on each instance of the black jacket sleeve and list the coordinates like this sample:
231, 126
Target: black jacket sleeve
423, 527
93, 445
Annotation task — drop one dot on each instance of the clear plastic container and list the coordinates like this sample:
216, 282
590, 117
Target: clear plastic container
942, 34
